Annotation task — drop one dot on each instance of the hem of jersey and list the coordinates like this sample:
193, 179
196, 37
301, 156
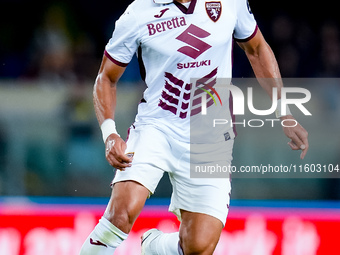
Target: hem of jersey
250, 37
163, 128
114, 60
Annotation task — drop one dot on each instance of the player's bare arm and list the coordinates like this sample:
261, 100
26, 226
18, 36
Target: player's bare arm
264, 64
104, 97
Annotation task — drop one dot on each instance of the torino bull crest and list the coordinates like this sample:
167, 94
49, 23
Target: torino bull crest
214, 10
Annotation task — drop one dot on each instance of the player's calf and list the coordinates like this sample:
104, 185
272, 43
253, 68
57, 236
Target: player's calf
196, 248
127, 201
199, 233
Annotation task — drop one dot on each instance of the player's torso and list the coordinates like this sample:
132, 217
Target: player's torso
176, 47
186, 44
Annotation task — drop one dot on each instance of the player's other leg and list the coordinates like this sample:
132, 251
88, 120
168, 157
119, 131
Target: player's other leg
199, 233
126, 203
200, 203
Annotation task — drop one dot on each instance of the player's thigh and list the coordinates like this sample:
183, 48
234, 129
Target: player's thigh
126, 202
199, 233
210, 196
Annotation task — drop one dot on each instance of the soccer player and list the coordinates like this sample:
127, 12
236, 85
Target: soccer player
175, 41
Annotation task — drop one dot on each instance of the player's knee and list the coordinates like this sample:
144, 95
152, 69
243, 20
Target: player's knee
122, 219
196, 246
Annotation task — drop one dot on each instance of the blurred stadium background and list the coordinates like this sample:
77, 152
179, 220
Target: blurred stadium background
54, 179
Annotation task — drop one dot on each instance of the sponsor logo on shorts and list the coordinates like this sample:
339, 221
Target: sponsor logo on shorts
227, 136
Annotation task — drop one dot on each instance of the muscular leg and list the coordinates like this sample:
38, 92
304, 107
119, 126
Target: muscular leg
199, 233
126, 203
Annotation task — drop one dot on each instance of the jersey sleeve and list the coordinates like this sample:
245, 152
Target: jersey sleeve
124, 41
246, 26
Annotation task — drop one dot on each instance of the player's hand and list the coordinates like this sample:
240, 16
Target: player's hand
297, 134
115, 152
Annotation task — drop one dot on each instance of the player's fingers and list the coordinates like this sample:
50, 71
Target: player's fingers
124, 158
293, 146
121, 155
304, 138
116, 164
116, 150
296, 142
299, 142
303, 135
299, 139
304, 148
120, 158
303, 153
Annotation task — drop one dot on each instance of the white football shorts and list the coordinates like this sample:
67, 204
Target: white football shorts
156, 153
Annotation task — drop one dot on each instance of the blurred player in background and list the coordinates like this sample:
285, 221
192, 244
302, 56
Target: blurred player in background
175, 41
